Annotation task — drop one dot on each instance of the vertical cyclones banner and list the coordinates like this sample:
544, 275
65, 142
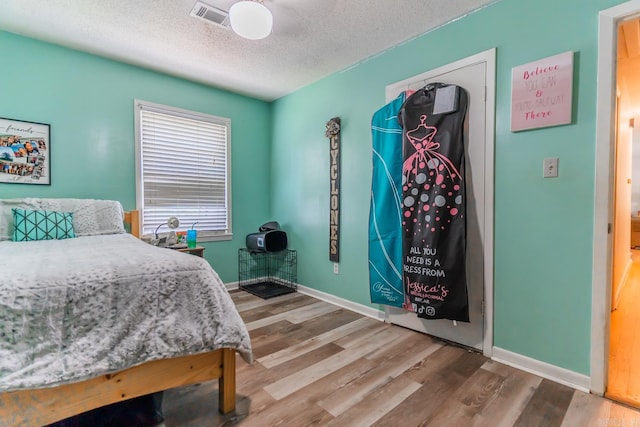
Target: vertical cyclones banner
433, 202
333, 133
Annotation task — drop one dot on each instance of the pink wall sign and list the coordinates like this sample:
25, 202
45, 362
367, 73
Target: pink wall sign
541, 93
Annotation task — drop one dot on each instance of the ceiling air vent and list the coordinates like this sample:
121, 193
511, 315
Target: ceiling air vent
210, 14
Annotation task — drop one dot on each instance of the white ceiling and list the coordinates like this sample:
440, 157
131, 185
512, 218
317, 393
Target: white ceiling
311, 38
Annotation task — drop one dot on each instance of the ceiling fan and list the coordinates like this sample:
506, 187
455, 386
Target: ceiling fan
250, 19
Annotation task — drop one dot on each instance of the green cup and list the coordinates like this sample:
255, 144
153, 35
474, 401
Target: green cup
191, 238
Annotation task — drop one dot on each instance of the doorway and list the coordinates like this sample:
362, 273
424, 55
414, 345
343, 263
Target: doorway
613, 368
624, 346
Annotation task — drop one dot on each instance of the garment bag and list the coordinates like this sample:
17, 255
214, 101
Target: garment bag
385, 211
433, 202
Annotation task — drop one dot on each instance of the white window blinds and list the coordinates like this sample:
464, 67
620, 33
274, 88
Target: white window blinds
183, 165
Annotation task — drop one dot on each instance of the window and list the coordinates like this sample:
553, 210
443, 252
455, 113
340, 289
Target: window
183, 170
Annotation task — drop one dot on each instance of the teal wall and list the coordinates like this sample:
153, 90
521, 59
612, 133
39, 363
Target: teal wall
543, 227
88, 101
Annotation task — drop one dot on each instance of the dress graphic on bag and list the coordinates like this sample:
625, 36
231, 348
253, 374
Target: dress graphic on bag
433, 202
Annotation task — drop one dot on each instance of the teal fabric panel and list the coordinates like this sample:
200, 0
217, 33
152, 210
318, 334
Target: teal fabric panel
42, 225
385, 209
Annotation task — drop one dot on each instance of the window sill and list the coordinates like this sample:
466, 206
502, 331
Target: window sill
200, 238
215, 238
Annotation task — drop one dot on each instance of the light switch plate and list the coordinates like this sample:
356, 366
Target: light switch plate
550, 167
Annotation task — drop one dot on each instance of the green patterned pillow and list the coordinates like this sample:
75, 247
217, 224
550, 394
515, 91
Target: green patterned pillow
41, 225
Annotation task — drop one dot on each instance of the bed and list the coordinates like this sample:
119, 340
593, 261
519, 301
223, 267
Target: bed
104, 317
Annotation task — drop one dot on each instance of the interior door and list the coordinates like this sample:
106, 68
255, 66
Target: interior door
471, 77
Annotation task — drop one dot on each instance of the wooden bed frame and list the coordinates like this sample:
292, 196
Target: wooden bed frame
38, 407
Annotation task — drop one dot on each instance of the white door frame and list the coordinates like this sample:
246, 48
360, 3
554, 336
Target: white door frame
605, 143
488, 57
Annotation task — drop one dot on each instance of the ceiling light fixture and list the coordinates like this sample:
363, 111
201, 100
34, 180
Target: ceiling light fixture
251, 19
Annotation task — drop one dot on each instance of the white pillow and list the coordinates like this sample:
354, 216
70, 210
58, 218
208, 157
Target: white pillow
90, 216
6, 216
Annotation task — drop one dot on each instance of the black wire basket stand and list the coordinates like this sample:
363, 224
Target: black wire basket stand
268, 274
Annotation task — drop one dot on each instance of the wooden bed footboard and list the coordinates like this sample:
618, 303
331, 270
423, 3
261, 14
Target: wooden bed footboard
38, 407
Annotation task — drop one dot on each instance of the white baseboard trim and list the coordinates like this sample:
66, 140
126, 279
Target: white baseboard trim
545, 370
341, 302
332, 299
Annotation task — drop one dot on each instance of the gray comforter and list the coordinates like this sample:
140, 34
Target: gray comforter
73, 309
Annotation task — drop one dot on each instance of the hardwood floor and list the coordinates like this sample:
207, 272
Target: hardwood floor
318, 364
624, 341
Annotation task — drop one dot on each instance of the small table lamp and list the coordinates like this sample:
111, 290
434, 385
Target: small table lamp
172, 223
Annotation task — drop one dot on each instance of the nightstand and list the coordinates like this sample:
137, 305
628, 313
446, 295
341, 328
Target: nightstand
198, 250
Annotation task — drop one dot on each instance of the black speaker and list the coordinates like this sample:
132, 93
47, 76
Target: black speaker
267, 241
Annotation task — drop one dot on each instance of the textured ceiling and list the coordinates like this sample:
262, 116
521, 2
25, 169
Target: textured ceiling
311, 38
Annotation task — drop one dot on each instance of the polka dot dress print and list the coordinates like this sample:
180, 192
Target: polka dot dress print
433, 210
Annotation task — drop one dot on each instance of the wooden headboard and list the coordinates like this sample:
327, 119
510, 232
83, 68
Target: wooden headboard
133, 219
